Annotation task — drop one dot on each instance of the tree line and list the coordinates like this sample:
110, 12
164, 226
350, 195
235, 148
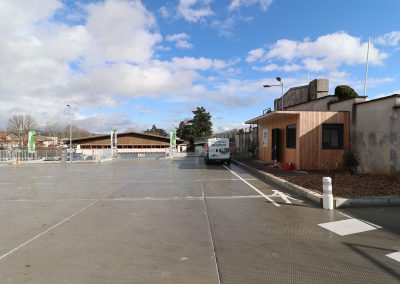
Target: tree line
195, 129
19, 125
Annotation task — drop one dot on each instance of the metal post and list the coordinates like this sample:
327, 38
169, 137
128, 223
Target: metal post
327, 193
70, 133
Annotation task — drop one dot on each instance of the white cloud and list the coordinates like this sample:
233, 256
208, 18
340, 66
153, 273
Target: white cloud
255, 55
389, 39
194, 10
164, 12
327, 52
274, 67
226, 126
181, 40
236, 4
121, 31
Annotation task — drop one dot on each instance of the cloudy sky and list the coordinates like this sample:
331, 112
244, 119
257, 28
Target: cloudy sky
131, 64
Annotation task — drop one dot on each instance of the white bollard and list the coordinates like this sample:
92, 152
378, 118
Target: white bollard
327, 193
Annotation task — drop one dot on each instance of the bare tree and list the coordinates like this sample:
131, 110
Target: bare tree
54, 129
19, 125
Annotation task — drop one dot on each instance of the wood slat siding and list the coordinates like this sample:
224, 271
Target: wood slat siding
286, 155
308, 154
311, 154
126, 140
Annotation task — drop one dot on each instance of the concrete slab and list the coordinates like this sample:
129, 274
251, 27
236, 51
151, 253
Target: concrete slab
159, 189
120, 242
143, 226
259, 243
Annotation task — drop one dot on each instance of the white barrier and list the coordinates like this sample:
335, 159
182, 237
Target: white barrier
327, 193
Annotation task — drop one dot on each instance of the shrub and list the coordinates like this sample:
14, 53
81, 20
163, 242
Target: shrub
345, 92
352, 162
253, 149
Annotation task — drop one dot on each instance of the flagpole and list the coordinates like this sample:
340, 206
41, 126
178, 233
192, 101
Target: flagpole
366, 69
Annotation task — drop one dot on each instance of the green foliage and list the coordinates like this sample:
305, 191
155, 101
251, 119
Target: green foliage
156, 131
202, 125
352, 162
252, 149
345, 92
185, 132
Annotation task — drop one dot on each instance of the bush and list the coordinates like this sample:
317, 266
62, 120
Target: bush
352, 162
253, 149
345, 92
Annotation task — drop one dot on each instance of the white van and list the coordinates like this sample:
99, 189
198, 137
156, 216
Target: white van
217, 150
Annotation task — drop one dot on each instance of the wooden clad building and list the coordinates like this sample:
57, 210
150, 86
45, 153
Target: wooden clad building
311, 140
127, 140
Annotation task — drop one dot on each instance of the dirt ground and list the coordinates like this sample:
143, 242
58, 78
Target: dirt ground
343, 183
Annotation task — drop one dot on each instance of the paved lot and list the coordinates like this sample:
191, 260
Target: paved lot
180, 221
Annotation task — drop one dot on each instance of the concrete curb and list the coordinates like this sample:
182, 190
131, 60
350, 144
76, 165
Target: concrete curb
301, 191
369, 201
339, 202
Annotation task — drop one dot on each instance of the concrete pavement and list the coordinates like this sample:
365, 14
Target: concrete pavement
180, 221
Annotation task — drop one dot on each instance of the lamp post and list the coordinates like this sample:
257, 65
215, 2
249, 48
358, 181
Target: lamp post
276, 85
70, 133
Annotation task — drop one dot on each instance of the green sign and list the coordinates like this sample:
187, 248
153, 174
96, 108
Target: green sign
172, 138
31, 141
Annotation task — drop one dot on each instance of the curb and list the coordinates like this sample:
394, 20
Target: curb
316, 198
301, 191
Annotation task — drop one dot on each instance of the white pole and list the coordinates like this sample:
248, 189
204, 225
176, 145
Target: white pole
327, 193
70, 133
366, 68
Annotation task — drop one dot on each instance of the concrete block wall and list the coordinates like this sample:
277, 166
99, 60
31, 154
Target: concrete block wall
377, 133
316, 89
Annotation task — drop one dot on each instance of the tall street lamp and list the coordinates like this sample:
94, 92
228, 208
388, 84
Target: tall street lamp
70, 133
276, 85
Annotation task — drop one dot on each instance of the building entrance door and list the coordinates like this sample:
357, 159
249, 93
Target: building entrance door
276, 141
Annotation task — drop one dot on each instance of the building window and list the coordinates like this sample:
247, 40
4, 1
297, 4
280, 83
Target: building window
291, 136
332, 136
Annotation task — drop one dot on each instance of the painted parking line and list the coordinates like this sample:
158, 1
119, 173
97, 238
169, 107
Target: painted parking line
49, 229
253, 187
348, 227
395, 256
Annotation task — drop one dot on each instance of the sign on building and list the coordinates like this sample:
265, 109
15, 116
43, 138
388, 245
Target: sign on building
114, 138
32, 141
265, 137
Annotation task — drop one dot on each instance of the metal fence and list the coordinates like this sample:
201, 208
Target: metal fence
54, 155
244, 141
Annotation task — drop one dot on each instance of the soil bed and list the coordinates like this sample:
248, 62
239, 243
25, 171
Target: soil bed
343, 183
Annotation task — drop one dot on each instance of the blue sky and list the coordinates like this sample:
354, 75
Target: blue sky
131, 64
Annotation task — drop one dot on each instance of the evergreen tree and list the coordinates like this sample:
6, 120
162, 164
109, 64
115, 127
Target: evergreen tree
156, 131
202, 125
345, 92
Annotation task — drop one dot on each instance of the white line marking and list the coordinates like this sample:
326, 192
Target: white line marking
369, 223
347, 227
394, 255
246, 182
49, 229
348, 216
235, 197
226, 179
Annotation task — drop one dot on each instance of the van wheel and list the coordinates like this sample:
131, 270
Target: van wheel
228, 162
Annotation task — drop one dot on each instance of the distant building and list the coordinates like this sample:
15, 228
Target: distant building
314, 130
128, 142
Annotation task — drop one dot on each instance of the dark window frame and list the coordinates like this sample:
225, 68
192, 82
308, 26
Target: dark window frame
333, 127
291, 132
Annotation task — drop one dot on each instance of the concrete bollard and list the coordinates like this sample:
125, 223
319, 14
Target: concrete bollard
327, 193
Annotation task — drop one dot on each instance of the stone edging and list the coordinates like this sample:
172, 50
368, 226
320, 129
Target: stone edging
339, 202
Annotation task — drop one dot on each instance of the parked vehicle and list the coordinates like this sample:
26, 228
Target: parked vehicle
218, 150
